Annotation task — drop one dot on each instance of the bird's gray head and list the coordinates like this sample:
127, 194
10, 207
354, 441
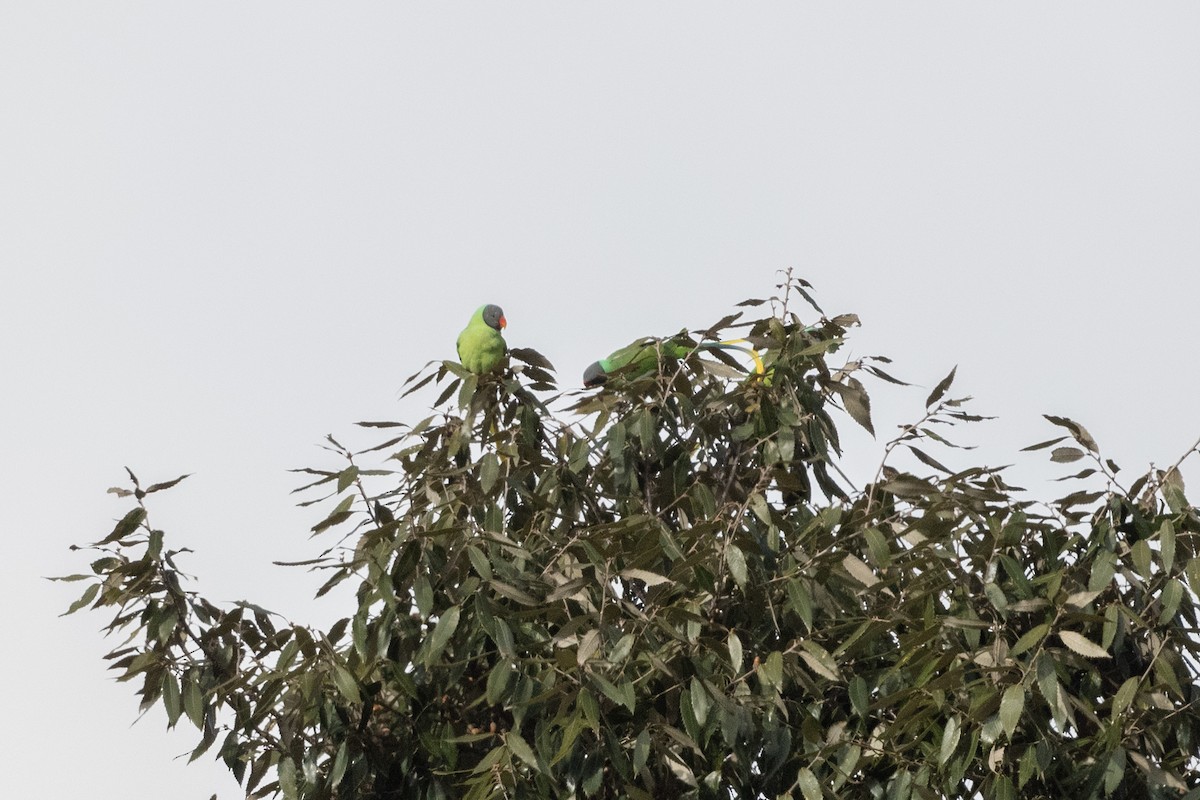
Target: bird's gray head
493, 316
594, 375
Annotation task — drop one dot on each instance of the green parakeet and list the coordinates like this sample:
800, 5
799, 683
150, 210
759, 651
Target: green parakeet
641, 358
633, 361
480, 345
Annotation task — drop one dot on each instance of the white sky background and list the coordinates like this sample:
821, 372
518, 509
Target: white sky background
229, 229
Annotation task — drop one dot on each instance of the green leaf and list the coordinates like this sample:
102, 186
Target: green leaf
758, 504
819, 660
737, 565
1114, 770
859, 570
1156, 775
628, 696
1078, 432
513, 593
700, 701
950, 736
340, 761
622, 695
89, 594
770, 672
996, 596
171, 698
339, 514
800, 601
645, 576
128, 524
809, 786
503, 637
479, 561
1081, 600
641, 751
1112, 619
1082, 645
1012, 703
193, 701
570, 734
158, 487
940, 389
927, 459
856, 402
799, 285
586, 702
346, 478
1047, 678
878, 549
879, 373
1065, 455
846, 765
346, 683
589, 643
1030, 638
1043, 445
860, 698
467, 390
358, 634
1172, 594
446, 625
72, 578
531, 357
521, 749
423, 595
621, 650
287, 778
1192, 570
1140, 552
735, 652
1166, 537
498, 682
1124, 696
489, 470
1103, 569
154, 544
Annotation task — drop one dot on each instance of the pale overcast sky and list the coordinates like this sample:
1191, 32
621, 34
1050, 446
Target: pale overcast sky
231, 228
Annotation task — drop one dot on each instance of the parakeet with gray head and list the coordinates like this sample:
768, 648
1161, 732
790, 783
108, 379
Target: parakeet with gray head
480, 345
641, 358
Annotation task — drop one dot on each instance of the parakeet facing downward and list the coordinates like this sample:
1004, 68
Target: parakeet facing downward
641, 358
633, 360
480, 345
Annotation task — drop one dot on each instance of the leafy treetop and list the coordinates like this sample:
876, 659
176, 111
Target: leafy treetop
667, 590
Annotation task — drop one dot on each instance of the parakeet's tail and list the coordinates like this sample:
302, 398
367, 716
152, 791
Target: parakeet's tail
737, 344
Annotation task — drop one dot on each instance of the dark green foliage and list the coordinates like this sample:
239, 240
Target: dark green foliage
667, 591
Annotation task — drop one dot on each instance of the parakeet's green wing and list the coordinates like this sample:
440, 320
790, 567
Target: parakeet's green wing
480, 345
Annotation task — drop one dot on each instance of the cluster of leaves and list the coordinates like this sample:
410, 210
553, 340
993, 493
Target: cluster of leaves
672, 595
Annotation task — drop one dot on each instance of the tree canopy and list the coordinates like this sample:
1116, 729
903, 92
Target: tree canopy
665, 588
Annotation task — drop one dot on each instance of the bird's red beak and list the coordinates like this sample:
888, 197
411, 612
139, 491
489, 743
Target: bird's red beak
503, 322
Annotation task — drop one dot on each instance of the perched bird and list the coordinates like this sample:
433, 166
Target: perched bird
480, 345
633, 361
641, 358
